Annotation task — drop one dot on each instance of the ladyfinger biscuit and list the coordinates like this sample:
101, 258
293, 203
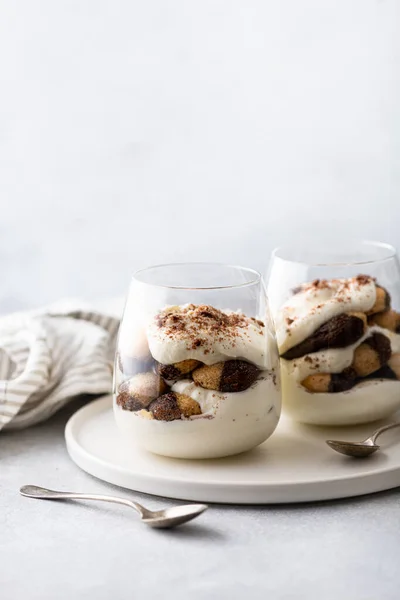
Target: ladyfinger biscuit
178, 370
330, 382
318, 383
389, 319
173, 406
339, 332
382, 302
141, 389
228, 376
187, 405
371, 355
165, 408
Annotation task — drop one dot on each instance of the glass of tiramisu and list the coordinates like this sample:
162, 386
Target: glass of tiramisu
197, 365
338, 331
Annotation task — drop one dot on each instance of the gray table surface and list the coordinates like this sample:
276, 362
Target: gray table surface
49, 550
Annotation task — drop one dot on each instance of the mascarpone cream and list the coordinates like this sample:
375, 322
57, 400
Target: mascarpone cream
182, 332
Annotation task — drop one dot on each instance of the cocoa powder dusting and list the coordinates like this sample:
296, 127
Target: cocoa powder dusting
202, 324
260, 323
344, 284
363, 279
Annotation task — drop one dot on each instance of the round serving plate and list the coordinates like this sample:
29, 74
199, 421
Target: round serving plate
294, 465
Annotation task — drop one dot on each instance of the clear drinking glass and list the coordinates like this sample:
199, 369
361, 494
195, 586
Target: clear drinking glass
197, 365
338, 331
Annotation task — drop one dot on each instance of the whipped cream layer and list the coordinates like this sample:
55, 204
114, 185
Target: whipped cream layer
334, 360
317, 302
204, 333
231, 423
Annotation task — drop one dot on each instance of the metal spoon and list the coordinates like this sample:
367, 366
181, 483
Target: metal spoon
360, 449
162, 519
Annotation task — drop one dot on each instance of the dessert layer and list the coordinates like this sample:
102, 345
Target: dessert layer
206, 334
230, 423
211, 400
314, 304
339, 332
369, 400
335, 360
149, 390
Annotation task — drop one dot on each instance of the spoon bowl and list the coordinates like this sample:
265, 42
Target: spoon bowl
356, 449
171, 517
160, 519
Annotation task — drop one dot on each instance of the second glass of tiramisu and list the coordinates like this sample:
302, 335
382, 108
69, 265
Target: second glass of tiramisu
338, 330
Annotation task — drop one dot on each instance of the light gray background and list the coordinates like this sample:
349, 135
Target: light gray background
134, 133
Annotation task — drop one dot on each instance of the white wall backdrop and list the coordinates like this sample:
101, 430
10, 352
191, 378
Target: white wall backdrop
135, 132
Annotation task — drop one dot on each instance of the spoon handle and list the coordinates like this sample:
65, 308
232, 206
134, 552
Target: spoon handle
33, 491
381, 430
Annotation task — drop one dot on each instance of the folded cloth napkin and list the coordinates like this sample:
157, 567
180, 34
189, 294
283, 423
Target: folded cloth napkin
49, 357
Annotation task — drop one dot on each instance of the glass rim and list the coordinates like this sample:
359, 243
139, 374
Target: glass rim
392, 252
257, 277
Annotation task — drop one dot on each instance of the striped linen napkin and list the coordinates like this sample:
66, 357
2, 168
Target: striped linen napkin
49, 357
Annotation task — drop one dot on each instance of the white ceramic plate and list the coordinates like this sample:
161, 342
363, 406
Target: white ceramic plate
294, 465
